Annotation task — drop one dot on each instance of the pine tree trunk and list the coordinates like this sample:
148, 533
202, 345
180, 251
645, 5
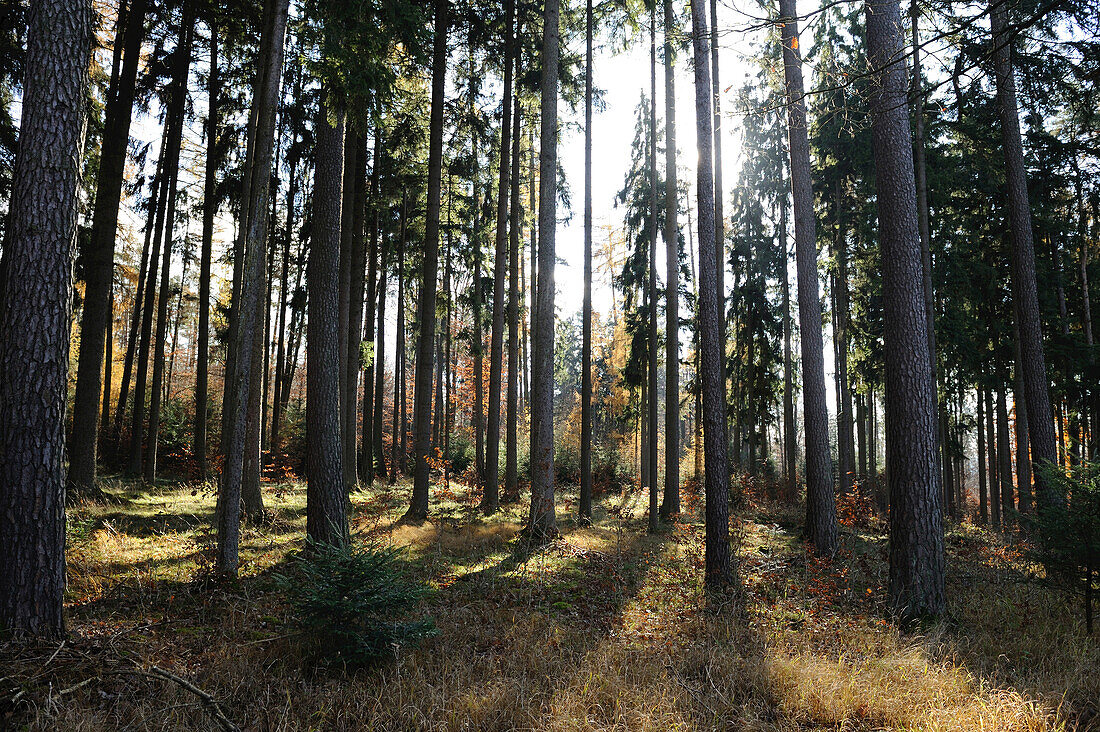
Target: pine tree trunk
348, 239
584, 513
418, 507
719, 192
790, 437
253, 284
543, 522
148, 302
399, 353
983, 490
511, 460
209, 194
36, 307
100, 257
155, 200
1023, 459
1004, 466
821, 526
1024, 290
718, 570
379, 418
361, 326
916, 585
991, 447
846, 446
175, 114
326, 491
651, 340
478, 299
490, 501
670, 504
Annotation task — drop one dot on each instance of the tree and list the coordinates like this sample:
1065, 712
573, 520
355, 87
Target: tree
249, 317
490, 501
670, 505
175, 118
422, 422
1024, 290
36, 307
326, 494
584, 510
718, 570
651, 288
210, 205
543, 522
916, 530
821, 526
100, 257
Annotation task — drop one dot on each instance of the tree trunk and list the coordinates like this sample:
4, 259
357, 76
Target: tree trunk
846, 445
148, 305
991, 447
379, 419
670, 505
326, 491
155, 202
490, 501
983, 491
348, 240
418, 507
399, 353
719, 193
543, 521
36, 308
584, 513
821, 526
360, 319
790, 437
478, 297
100, 257
209, 195
718, 570
511, 460
1004, 456
252, 289
651, 341
175, 114
1023, 459
916, 585
1024, 290
920, 174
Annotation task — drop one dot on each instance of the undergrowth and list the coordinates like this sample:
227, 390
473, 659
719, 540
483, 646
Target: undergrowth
605, 629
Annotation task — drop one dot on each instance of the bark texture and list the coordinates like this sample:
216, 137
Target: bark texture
543, 522
821, 526
422, 417
916, 524
36, 310
1040, 419
326, 497
718, 569
99, 258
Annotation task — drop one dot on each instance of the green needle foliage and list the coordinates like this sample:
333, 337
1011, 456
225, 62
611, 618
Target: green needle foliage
351, 601
1068, 535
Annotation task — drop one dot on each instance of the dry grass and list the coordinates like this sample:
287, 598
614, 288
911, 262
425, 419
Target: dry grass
607, 629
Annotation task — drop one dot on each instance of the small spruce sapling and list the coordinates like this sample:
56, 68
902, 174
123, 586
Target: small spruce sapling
351, 601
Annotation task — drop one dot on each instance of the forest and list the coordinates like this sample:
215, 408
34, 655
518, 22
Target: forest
603, 365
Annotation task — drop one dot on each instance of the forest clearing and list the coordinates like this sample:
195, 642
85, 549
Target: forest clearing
606, 628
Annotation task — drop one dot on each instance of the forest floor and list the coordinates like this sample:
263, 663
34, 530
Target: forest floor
604, 629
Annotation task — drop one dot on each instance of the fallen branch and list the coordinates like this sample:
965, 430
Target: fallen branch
210, 702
